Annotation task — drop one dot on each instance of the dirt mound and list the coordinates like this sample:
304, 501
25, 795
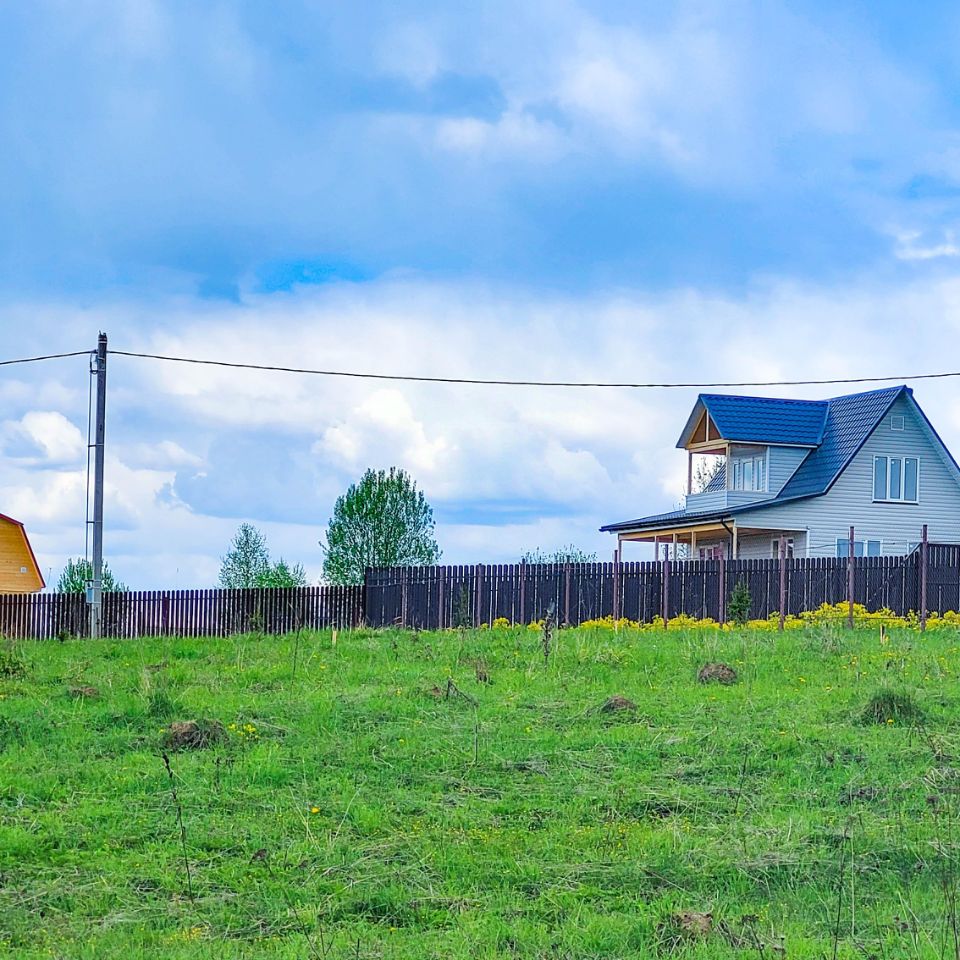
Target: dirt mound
84, 692
617, 703
717, 673
680, 930
194, 734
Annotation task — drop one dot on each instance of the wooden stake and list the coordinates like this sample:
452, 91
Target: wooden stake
783, 580
924, 552
850, 567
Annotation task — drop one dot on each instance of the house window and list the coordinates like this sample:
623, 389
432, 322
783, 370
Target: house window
896, 479
861, 548
775, 548
897, 422
750, 473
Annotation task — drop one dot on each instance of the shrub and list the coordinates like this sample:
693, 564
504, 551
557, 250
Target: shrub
740, 603
891, 706
11, 666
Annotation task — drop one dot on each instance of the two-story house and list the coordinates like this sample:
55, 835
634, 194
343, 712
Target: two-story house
809, 470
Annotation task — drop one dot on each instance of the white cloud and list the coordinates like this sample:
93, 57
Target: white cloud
913, 245
43, 437
509, 468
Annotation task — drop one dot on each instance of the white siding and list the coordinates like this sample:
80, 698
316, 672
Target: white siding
782, 465
850, 500
758, 546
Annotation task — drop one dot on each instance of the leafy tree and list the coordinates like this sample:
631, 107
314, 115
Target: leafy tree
281, 574
381, 521
77, 572
247, 559
567, 554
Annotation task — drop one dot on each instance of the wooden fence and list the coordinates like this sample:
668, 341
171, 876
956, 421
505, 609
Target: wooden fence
446, 596
437, 597
186, 613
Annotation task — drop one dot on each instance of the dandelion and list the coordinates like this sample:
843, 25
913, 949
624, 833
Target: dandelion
314, 809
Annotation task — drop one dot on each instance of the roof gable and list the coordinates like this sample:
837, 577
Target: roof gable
760, 419
850, 421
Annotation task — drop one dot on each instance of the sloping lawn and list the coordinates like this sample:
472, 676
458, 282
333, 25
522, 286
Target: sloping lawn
340, 798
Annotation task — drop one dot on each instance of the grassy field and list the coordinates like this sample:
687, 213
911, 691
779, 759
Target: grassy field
356, 805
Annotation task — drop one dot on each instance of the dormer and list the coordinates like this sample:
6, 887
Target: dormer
762, 441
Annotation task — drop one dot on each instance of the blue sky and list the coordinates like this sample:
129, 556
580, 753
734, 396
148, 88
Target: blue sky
574, 190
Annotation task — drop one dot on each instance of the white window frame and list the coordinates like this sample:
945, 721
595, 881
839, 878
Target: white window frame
757, 460
866, 541
898, 423
775, 548
889, 475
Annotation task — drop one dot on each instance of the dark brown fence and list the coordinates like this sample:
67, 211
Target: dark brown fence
185, 613
437, 597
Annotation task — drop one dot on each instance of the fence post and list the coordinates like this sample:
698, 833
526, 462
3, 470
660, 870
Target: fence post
616, 586
783, 580
440, 584
722, 611
522, 619
365, 596
666, 591
476, 595
404, 577
850, 561
566, 593
924, 546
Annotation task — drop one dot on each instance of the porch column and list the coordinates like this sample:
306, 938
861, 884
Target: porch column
656, 547
693, 544
735, 544
674, 548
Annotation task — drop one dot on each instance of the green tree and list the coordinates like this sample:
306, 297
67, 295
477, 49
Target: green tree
567, 554
738, 606
247, 559
281, 574
381, 521
77, 572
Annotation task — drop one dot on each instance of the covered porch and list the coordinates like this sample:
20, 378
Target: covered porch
712, 539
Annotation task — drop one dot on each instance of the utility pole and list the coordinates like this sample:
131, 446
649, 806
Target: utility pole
95, 591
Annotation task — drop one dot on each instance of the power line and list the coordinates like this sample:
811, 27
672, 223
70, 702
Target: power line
526, 383
49, 356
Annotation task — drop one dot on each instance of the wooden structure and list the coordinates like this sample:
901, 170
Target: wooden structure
184, 613
19, 570
926, 580
471, 596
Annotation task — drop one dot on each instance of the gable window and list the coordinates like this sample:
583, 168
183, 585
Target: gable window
750, 473
775, 548
896, 479
861, 548
897, 422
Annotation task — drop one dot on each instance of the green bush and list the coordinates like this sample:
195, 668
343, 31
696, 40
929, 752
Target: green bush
738, 607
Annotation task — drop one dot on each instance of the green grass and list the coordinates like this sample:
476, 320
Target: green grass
352, 812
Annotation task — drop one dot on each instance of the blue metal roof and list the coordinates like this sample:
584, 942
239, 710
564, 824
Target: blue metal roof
761, 419
845, 423
850, 420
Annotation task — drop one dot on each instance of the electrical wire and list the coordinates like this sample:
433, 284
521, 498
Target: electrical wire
524, 383
49, 356
476, 381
